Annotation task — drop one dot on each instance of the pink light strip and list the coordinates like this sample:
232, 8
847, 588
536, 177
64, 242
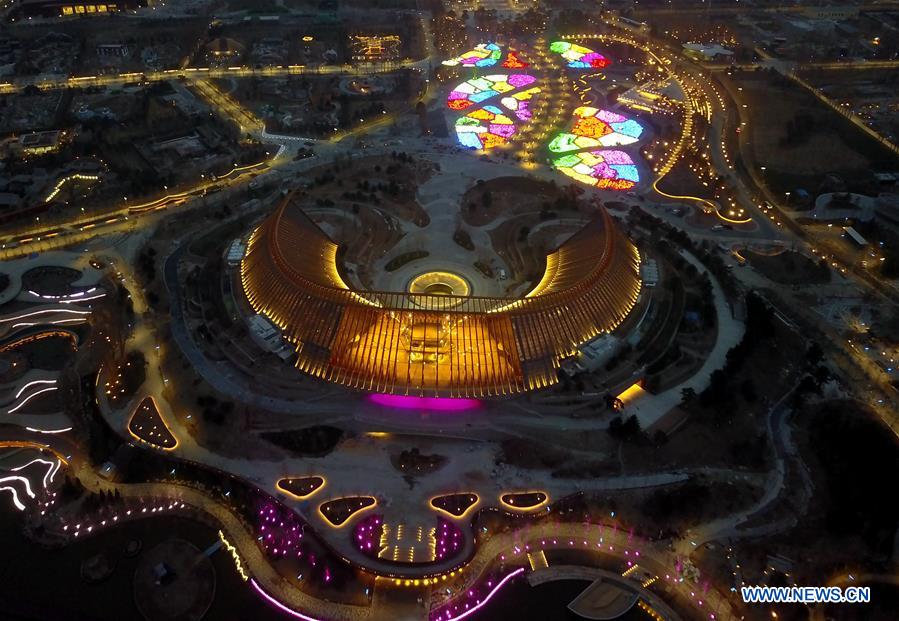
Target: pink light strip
489, 595
271, 600
436, 404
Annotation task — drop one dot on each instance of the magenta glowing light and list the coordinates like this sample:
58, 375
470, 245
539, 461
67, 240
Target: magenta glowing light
432, 404
271, 600
489, 596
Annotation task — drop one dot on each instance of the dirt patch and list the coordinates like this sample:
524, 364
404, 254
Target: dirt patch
513, 196
789, 268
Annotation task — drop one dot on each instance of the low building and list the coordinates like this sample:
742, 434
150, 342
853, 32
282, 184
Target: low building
708, 52
63, 8
649, 271
235, 253
115, 50
267, 336
855, 236
39, 143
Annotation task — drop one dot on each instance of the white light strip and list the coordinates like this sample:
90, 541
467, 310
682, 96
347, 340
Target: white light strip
53, 465
30, 397
33, 383
48, 296
28, 324
15, 497
49, 430
44, 312
55, 470
96, 297
23, 480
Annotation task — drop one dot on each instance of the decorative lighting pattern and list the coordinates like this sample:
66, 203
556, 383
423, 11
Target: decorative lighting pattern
146, 425
403, 544
477, 90
473, 600
597, 128
446, 346
448, 539
62, 183
491, 125
39, 387
301, 487
483, 55
603, 169
514, 61
233, 550
338, 511
578, 56
519, 103
367, 535
271, 600
427, 404
455, 505
524, 501
280, 533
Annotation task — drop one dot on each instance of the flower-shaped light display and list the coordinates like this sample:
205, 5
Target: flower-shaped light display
483, 55
603, 169
578, 56
491, 125
597, 128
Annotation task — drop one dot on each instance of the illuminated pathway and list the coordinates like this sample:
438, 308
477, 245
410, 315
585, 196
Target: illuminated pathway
204, 73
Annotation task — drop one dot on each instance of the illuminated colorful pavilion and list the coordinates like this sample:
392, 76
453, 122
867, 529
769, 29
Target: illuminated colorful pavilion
436, 345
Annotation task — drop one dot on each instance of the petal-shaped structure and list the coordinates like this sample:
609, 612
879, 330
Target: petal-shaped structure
603, 169
483, 55
597, 128
578, 56
492, 124
514, 61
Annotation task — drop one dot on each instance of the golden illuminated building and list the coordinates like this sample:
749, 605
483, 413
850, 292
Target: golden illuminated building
375, 47
436, 343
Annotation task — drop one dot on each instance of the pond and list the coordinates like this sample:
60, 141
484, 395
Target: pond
46, 584
522, 602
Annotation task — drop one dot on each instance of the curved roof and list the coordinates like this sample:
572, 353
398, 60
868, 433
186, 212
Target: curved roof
434, 345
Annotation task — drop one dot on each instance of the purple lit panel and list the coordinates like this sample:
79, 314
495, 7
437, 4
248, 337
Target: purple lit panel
506, 131
614, 157
605, 115
434, 404
521, 79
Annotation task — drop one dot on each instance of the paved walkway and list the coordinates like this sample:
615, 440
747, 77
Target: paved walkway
650, 408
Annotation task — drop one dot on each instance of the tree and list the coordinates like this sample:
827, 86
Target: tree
814, 355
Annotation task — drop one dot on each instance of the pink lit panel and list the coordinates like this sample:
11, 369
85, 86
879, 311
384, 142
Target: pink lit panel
432, 404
